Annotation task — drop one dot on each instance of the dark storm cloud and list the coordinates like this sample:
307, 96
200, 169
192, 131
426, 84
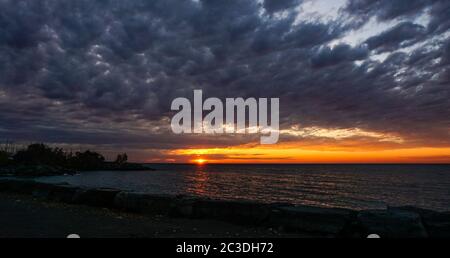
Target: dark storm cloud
404, 34
439, 13
340, 53
272, 6
105, 72
387, 9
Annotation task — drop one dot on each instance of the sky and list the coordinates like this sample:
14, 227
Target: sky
359, 81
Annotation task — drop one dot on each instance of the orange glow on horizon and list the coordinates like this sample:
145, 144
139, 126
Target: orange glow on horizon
292, 154
319, 145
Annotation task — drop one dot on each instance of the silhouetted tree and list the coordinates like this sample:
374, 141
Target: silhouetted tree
41, 154
4, 158
87, 160
121, 159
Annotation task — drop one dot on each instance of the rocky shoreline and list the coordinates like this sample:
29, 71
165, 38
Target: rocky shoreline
394, 222
32, 171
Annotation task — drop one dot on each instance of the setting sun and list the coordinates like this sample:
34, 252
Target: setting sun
200, 161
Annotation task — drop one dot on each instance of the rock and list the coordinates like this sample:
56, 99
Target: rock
63, 193
143, 203
437, 224
238, 212
34, 171
391, 224
55, 192
99, 197
18, 186
235, 211
42, 191
317, 220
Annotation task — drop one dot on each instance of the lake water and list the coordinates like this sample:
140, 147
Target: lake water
344, 186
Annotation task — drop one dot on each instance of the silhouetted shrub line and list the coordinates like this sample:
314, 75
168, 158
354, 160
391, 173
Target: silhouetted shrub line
42, 160
394, 222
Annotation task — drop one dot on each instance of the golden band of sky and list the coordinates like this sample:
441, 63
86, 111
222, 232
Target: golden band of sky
289, 154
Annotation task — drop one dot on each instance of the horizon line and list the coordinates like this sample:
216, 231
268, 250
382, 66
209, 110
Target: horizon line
350, 163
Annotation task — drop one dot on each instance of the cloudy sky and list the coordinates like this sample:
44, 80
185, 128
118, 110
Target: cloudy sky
358, 80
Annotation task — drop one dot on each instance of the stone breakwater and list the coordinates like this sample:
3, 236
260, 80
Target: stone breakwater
394, 222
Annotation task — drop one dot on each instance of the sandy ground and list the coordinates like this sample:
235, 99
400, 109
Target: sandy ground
23, 216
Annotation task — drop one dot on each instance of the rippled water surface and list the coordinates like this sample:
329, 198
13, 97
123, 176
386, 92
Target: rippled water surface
346, 186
